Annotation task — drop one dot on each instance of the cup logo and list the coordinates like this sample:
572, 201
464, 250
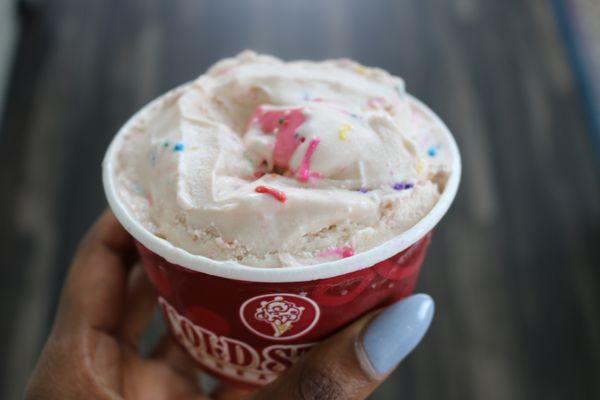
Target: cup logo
280, 313
279, 316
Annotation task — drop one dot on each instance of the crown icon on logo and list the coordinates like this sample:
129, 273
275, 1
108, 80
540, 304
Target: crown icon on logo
280, 313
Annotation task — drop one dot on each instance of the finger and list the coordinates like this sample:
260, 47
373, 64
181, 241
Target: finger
225, 392
95, 288
140, 304
172, 354
351, 364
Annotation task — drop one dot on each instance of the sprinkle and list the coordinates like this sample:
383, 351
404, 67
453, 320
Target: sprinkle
343, 130
178, 147
363, 190
166, 143
342, 251
376, 102
420, 166
194, 148
279, 195
304, 170
403, 185
361, 69
138, 189
432, 151
153, 158
347, 251
259, 174
280, 121
306, 97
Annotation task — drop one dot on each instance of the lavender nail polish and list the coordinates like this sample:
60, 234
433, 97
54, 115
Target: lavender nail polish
394, 333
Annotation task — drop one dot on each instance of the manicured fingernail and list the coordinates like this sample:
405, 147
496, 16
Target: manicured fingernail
394, 333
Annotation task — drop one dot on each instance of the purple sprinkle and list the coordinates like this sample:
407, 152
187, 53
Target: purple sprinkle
153, 158
403, 185
178, 147
363, 190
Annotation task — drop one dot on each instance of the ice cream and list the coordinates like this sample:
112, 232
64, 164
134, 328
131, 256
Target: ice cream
275, 164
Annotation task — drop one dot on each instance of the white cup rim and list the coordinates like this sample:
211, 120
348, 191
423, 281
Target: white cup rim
233, 270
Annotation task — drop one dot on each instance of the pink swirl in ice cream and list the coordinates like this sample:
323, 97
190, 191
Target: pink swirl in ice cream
275, 164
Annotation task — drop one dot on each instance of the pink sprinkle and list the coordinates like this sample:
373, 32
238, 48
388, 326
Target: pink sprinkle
279, 195
222, 71
304, 170
342, 251
375, 102
348, 251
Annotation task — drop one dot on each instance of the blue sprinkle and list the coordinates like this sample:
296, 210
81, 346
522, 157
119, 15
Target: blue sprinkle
432, 151
403, 185
178, 147
138, 189
353, 115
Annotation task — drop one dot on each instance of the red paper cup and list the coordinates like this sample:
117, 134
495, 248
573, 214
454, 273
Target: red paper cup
246, 325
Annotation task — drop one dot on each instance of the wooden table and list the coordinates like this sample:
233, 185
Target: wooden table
514, 267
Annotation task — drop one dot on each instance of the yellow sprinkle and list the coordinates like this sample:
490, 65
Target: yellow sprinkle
420, 166
361, 69
194, 147
343, 130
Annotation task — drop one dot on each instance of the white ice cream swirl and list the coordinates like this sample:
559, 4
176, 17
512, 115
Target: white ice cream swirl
277, 164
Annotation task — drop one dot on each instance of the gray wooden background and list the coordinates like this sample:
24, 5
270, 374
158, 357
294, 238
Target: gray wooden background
514, 267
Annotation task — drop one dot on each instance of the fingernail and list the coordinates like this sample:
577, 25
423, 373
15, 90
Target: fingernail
394, 333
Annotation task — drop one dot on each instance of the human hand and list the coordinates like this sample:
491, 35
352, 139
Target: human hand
93, 349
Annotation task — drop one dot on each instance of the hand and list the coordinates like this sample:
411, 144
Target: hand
92, 351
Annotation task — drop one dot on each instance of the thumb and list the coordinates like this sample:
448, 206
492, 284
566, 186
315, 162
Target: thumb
352, 363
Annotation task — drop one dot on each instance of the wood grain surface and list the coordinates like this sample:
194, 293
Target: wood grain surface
514, 267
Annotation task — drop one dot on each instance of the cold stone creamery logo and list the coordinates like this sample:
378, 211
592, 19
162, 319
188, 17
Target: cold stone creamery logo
231, 357
279, 316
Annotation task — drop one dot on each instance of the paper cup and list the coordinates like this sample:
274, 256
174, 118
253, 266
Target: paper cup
246, 325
